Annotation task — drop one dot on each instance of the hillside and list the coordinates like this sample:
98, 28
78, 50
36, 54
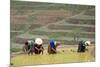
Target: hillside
61, 22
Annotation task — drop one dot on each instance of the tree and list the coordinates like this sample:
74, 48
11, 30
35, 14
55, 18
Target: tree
76, 34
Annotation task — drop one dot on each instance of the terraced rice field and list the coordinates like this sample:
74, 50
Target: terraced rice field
61, 22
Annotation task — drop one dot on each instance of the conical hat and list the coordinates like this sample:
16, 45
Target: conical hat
38, 41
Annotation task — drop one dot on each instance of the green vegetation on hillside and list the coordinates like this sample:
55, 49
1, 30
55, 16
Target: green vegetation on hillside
21, 6
51, 20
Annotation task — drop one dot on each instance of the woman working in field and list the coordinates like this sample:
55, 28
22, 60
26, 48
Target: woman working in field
38, 46
52, 47
82, 46
35, 47
28, 47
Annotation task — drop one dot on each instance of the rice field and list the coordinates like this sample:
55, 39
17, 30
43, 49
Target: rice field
47, 20
64, 55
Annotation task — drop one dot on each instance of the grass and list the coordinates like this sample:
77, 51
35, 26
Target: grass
60, 34
70, 27
79, 21
62, 57
15, 49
